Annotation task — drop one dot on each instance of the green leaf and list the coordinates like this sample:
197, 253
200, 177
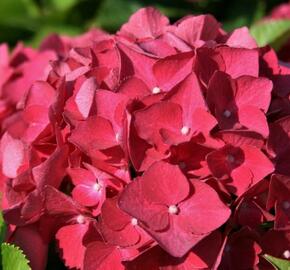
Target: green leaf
13, 258
2, 228
279, 264
272, 32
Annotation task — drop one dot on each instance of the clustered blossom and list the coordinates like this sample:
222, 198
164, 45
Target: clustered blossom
163, 146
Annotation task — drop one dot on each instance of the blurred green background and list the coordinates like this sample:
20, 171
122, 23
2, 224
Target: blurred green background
31, 20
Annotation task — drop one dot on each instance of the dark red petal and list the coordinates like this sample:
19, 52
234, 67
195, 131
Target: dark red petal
112, 216
34, 247
57, 203
100, 256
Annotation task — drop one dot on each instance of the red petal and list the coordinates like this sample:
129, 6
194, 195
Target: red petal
175, 186
87, 196
152, 215
98, 132
52, 171
114, 217
205, 206
164, 115
257, 162
257, 122
171, 70
70, 239
239, 62
102, 257
254, 92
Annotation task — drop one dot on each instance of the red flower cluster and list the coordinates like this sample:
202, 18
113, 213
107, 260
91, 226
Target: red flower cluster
160, 147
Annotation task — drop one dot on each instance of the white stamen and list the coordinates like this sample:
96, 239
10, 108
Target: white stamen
227, 113
134, 221
227, 248
156, 90
97, 187
286, 205
230, 158
118, 137
173, 209
286, 254
80, 219
185, 130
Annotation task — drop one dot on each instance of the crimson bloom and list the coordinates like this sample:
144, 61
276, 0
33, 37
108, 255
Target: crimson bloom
166, 213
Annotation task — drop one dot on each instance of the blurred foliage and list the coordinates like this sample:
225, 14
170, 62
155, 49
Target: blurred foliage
273, 32
31, 20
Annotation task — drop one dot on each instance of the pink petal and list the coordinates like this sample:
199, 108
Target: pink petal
241, 38
81, 176
11, 149
84, 96
196, 28
87, 196
145, 23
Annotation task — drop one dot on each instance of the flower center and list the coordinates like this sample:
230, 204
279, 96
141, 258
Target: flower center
286, 254
230, 158
227, 113
182, 165
156, 90
134, 221
286, 205
185, 130
173, 209
80, 219
97, 187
